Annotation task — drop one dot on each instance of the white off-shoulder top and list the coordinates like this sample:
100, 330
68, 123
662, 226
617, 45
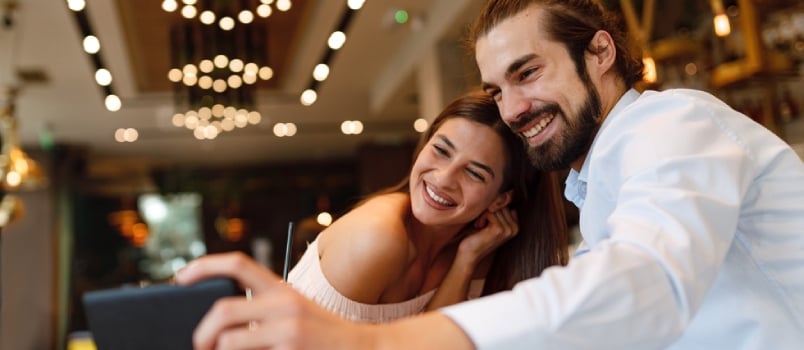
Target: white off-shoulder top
308, 279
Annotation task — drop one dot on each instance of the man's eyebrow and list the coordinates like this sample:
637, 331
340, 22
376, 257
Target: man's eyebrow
512, 68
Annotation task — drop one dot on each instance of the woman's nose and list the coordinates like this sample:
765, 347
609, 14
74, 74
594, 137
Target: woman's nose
446, 176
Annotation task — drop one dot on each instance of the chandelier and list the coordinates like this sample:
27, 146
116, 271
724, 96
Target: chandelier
225, 13
216, 70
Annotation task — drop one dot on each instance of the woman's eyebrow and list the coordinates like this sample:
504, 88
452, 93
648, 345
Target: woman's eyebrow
475, 163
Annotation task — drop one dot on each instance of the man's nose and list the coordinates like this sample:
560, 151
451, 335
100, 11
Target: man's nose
513, 105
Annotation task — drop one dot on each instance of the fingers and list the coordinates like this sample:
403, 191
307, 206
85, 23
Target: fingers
505, 220
237, 266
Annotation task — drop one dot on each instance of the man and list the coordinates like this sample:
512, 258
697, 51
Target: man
692, 215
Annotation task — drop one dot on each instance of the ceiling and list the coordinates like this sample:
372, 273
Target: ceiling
372, 79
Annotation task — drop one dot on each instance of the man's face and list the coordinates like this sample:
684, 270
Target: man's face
538, 90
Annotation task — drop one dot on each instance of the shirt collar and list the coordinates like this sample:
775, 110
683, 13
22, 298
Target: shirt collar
575, 185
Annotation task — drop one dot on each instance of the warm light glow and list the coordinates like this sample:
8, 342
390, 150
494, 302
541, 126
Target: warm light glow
91, 44
722, 25
127, 134
321, 72
205, 82
355, 4
336, 40
221, 61
207, 17
650, 69
308, 97
169, 5
251, 68
76, 5
280, 129
118, 134
267, 2
189, 80
236, 65
188, 11
266, 73
264, 10
291, 129
691, 69
234, 81
249, 78
177, 120
254, 118
324, 219
206, 66
245, 17
13, 179
219, 85
189, 2
175, 75
283, 5
205, 113
189, 69
227, 23
113, 103
103, 77
351, 127
131, 135
420, 125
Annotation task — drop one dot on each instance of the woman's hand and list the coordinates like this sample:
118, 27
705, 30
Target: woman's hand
276, 317
492, 230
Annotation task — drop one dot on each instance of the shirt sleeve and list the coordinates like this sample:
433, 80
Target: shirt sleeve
660, 217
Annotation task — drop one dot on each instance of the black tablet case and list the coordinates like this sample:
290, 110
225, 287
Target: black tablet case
156, 317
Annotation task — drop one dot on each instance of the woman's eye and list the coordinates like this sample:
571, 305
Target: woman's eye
476, 175
440, 150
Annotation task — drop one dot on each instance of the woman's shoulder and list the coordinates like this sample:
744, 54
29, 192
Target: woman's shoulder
376, 225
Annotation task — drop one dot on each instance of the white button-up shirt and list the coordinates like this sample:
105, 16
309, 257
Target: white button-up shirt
693, 223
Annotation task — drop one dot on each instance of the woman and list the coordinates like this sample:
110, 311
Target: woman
432, 240
472, 214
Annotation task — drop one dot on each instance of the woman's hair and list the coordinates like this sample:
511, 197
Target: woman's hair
571, 22
536, 196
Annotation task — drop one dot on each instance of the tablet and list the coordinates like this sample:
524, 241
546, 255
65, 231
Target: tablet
156, 317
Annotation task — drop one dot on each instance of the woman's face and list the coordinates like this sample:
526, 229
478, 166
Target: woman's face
458, 174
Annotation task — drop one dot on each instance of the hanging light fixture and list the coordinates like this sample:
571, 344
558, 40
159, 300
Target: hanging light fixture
215, 73
226, 14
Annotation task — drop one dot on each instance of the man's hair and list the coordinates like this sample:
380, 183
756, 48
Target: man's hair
571, 22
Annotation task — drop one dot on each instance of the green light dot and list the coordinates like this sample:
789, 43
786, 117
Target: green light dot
401, 16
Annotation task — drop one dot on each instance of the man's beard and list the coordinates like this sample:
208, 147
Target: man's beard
563, 149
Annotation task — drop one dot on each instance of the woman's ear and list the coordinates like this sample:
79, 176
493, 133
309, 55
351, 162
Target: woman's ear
502, 200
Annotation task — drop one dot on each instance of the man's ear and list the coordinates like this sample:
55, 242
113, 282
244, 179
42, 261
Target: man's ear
601, 54
501, 201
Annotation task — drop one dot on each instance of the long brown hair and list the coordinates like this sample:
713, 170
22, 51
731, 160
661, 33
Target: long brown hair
536, 196
571, 22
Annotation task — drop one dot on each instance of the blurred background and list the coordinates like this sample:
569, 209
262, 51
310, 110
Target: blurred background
136, 136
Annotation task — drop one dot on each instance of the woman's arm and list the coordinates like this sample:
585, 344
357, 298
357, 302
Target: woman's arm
494, 229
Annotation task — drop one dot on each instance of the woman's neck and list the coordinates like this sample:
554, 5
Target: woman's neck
429, 240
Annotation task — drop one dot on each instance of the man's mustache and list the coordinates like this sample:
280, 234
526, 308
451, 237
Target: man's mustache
529, 116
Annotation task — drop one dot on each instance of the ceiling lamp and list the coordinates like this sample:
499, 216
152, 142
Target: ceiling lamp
215, 73
224, 12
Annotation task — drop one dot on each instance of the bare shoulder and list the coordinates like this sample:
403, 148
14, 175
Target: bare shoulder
367, 249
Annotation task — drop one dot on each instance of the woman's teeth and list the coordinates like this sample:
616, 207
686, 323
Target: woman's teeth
438, 199
536, 129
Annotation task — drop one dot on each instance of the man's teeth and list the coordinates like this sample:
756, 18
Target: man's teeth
536, 129
436, 198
